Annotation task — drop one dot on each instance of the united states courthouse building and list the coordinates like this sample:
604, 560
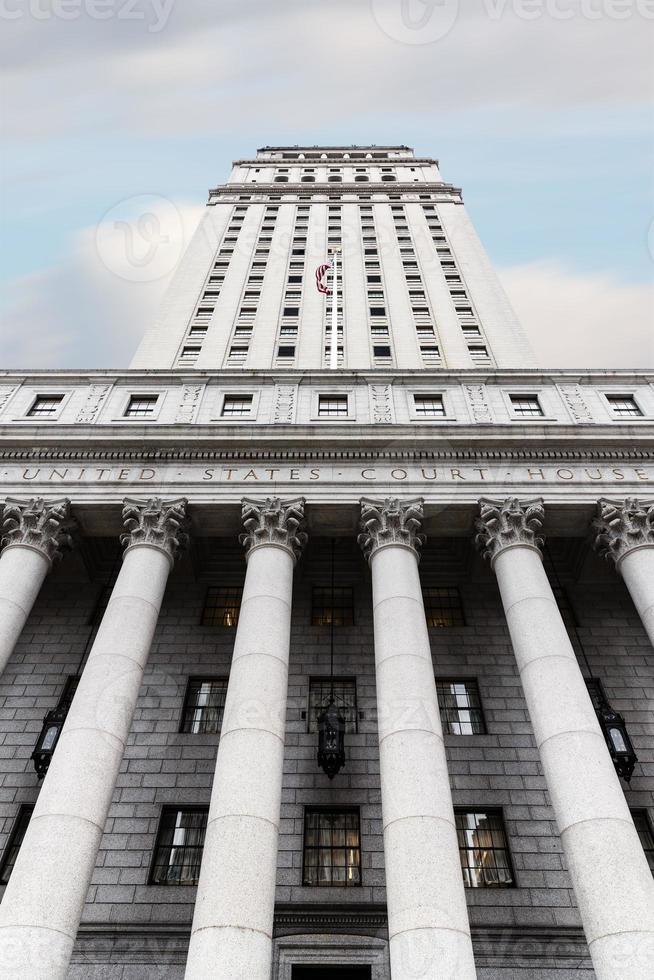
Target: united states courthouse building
326, 628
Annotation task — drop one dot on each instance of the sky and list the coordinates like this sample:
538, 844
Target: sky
541, 110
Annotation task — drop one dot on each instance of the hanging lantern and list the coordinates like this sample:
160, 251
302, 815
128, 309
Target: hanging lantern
47, 740
331, 739
615, 731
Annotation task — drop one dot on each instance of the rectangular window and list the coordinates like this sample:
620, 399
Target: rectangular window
332, 848
623, 405
443, 606
180, 841
189, 354
15, 840
331, 405
237, 405
339, 607
429, 406
565, 606
644, 828
345, 695
484, 849
286, 351
222, 605
204, 705
45, 405
528, 405
141, 406
460, 704
381, 352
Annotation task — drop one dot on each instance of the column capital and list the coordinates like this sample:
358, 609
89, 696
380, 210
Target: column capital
622, 526
43, 525
159, 523
273, 521
391, 521
506, 523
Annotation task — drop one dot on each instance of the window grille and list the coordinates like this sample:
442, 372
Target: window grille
623, 405
237, 405
443, 606
460, 704
180, 842
332, 848
204, 705
16, 837
526, 405
222, 605
141, 406
484, 849
45, 405
430, 406
332, 405
340, 607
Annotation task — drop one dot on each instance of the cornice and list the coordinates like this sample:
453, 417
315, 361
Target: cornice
335, 162
338, 188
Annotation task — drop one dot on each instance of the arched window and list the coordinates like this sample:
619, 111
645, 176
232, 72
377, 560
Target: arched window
388, 177
281, 180
335, 180
361, 179
308, 179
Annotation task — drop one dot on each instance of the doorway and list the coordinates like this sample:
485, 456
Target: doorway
332, 973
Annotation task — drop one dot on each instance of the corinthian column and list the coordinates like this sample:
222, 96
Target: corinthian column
43, 903
625, 535
231, 938
34, 534
427, 915
610, 875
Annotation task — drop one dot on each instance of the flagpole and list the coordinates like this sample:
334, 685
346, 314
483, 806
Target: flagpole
333, 354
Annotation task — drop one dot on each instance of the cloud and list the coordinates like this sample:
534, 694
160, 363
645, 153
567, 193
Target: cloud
91, 309
582, 321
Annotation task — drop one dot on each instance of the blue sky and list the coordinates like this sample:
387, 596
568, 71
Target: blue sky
544, 121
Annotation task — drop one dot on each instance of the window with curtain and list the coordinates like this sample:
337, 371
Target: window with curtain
484, 849
180, 841
204, 705
332, 848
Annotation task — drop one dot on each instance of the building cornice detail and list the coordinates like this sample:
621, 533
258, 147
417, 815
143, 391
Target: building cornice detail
44, 526
506, 523
622, 526
157, 523
391, 521
273, 521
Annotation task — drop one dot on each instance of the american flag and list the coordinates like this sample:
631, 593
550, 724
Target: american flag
321, 278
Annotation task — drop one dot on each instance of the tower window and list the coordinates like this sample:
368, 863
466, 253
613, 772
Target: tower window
443, 606
180, 842
332, 848
237, 406
345, 695
527, 405
460, 705
16, 837
222, 605
483, 849
204, 705
623, 405
141, 406
331, 405
286, 352
429, 406
45, 405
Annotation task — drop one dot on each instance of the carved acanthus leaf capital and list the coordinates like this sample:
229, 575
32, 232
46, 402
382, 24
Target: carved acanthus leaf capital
506, 523
391, 521
44, 525
159, 523
274, 521
622, 525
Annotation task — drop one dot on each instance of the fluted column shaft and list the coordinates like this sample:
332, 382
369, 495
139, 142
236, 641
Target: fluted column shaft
428, 924
625, 534
44, 899
33, 535
231, 937
610, 875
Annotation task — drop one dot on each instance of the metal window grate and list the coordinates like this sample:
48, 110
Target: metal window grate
443, 606
15, 840
222, 605
623, 405
460, 704
525, 404
345, 695
45, 405
340, 607
483, 849
178, 851
141, 406
429, 405
644, 828
332, 848
204, 705
237, 405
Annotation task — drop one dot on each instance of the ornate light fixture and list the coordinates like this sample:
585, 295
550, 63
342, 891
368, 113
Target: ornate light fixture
47, 740
612, 723
331, 722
